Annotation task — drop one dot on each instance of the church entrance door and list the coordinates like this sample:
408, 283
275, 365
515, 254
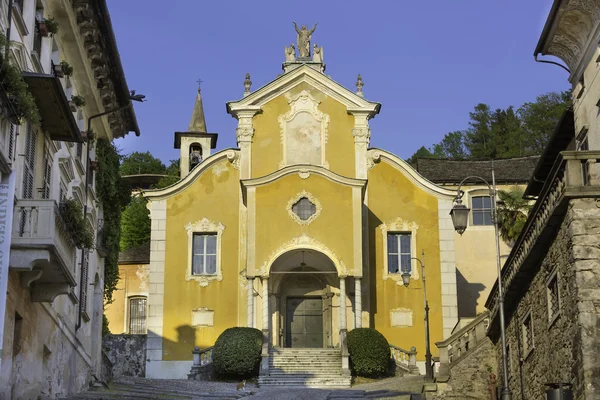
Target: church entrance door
304, 322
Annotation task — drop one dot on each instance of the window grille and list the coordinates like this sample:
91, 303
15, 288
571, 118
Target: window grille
137, 315
204, 254
482, 210
304, 208
399, 253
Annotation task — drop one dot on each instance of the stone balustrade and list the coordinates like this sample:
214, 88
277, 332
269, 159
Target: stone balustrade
202, 361
458, 345
405, 359
575, 174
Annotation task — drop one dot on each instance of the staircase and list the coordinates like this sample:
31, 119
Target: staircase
305, 367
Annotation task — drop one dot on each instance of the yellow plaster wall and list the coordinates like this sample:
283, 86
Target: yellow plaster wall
392, 195
214, 195
274, 225
267, 149
133, 281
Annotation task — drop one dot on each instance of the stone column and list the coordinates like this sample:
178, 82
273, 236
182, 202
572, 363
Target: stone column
357, 303
265, 303
343, 303
250, 302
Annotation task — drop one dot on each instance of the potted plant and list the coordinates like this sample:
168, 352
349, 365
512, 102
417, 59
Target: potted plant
94, 165
48, 26
76, 101
66, 68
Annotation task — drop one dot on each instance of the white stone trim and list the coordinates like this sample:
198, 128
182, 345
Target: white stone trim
448, 267
156, 281
399, 225
203, 317
297, 76
303, 102
312, 199
375, 156
401, 318
303, 169
204, 226
232, 155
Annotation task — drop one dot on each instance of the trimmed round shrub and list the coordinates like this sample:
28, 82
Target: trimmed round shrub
369, 352
237, 353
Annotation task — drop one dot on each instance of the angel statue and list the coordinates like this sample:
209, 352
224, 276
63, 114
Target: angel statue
304, 36
317, 53
290, 53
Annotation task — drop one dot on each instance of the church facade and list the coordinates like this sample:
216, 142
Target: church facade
303, 231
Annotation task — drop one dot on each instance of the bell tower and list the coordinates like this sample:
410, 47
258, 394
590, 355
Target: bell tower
195, 144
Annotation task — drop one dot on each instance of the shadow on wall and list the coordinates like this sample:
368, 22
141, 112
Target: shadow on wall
468, 295
374, 222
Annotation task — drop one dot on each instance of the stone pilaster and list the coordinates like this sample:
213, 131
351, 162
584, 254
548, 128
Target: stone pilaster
343, 303
250, 317
244, 134
448, 267
358, 302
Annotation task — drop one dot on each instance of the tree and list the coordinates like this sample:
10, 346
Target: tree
479, 135
540, 117
141, 163
172, 177
512, 213
451, 146
135, 224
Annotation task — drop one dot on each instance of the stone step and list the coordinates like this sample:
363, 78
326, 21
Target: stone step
303, 368
312, 365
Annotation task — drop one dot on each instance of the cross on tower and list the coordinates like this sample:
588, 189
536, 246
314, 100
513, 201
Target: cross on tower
199, 83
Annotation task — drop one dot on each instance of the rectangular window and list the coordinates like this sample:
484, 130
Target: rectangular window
399, 253
47, 174
527, 332
204, 254
482, 210
85, 266
583, 145
137, 316
553, 299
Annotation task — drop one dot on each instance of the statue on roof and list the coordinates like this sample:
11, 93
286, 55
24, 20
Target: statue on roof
304, 36
290, 53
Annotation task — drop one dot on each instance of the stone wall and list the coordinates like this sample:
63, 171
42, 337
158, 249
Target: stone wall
562, 352
469, 376
127, 354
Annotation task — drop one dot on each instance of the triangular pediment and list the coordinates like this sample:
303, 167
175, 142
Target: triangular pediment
304, 74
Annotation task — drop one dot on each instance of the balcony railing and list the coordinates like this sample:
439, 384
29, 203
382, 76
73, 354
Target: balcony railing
41, 241
575, 174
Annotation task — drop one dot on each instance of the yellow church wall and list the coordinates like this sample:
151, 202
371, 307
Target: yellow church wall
333, 227
215, 196
133, 281
267, 149
392, 195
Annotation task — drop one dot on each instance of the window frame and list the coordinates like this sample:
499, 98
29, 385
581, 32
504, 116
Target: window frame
129, 302
553, 316
204, 253
401, 226
398, 236
527, 320
204, 226
481, 210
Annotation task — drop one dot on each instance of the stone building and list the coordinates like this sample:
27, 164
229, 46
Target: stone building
51, 289
551, 277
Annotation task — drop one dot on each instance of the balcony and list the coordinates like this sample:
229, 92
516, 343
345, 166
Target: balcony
42, 250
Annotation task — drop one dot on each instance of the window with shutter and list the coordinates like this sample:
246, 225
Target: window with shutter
29, 162
84, 279
47, 174
11, 142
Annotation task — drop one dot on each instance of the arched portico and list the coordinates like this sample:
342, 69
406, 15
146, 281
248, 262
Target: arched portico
304, 302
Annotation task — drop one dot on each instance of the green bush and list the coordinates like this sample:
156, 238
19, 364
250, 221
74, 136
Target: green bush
237, 353
369, 352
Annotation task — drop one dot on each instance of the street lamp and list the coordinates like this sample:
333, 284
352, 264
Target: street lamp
460, 216
406, 282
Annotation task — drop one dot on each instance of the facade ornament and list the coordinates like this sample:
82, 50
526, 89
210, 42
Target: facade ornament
361, 134
304, 173
312, 199
317, 53
290, 53
233, 156
247, 84
399, 225
359, 86
304, 36
244, 131
373, 157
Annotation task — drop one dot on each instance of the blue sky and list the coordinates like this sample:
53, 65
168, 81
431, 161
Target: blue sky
428, 62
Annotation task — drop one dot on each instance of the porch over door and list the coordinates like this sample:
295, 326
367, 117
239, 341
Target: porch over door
304, 322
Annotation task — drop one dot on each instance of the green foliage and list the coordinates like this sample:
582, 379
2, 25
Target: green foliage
172, 175
512, 213
141, 163
135, 224
78, 101
51, 25
369, 352
67, 69
114, 195
80, 230
19, 100
237, 352
502, 133
105, 328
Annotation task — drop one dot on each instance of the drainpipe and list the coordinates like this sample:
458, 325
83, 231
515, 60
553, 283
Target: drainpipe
83, 285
